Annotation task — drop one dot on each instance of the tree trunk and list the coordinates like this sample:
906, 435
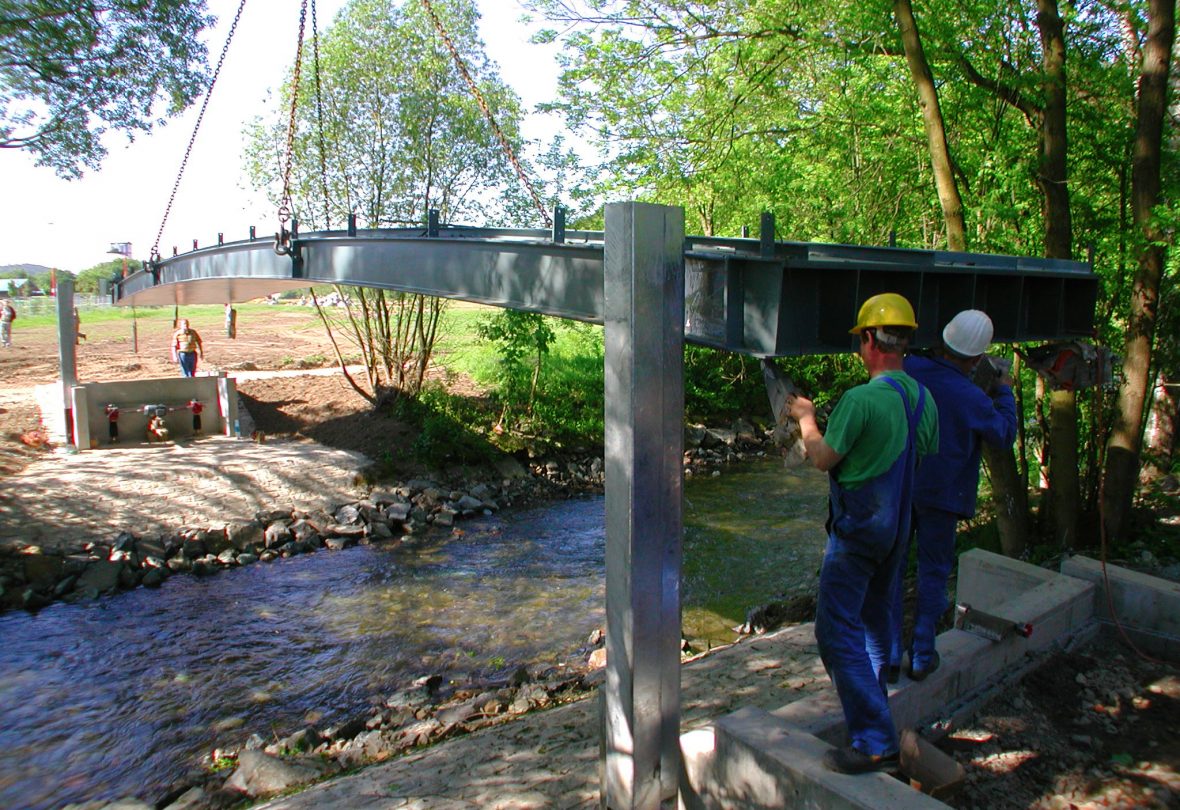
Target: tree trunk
1008, 491
1010, 497
940, 153
1063, 467
1122, 458
1064, 489
1159, 440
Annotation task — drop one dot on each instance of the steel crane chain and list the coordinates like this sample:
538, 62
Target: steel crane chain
319, 111
155, 253
285, 200
487, 111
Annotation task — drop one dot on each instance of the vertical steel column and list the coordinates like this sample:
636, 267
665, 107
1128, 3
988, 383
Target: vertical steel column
644, 320
67, 353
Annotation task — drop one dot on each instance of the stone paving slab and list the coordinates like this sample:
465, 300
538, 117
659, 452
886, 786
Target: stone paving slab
550, 759
63, 501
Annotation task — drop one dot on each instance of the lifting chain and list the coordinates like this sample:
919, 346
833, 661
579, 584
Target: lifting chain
283, 237
319, 111
487, 111
155, 253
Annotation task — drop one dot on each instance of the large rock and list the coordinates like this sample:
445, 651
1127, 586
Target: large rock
215, 540
101, 576
191, 799
259, 774
397, 512
244, 535
151, 547
277, 534
380, 531
467, 504
303, 531
193, 548
348, 514
43, 571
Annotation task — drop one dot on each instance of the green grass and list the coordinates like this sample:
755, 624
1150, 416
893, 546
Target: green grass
203, 316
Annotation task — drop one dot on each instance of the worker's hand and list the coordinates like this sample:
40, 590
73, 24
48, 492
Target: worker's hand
801, 407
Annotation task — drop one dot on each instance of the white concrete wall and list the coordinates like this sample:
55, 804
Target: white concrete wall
217, 394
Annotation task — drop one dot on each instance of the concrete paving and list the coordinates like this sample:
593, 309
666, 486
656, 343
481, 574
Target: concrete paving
65, 500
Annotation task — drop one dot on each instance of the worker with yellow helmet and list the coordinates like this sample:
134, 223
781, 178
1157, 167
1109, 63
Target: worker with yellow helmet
870, 448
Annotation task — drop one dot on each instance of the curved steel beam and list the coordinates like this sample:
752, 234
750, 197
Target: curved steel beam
755, 296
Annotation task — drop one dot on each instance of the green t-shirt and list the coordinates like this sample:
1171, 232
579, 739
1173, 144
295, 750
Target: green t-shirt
868, 428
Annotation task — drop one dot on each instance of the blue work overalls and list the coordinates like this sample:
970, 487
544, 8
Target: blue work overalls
867, 532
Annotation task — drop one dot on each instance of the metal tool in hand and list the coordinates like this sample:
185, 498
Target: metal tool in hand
781, 391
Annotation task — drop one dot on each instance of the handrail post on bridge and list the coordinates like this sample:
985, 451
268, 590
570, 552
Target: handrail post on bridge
644, 340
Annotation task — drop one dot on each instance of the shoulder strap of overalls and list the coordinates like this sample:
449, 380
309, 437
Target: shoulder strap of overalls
913, 416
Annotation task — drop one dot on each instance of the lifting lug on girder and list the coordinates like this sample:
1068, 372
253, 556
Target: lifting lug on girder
283, 242
153, 266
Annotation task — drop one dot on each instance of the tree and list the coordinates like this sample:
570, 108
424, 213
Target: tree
807, 110
1008, 487
1122, 465
401, 135
940, 154
70, 72
88, 280
523, 339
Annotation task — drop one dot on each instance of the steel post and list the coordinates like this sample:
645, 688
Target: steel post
644, 333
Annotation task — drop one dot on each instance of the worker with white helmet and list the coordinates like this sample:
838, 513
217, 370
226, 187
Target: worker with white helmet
870, 448
947, 481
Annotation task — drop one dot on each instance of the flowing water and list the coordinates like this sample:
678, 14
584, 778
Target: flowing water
121, 695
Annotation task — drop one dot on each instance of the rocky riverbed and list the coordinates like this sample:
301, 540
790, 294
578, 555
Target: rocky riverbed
33, 575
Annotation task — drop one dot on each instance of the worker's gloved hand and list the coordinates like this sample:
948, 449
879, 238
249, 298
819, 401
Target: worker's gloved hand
801, 407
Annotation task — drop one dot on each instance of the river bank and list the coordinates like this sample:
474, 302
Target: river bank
88, 524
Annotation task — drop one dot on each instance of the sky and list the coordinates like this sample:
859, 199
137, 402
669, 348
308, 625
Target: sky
71, 225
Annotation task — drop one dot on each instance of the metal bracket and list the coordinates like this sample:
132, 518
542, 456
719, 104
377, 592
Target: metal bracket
985, 625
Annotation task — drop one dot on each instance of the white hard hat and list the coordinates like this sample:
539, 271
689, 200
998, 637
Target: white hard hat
969, 333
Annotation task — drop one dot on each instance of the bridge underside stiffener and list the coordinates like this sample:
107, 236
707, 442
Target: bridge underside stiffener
754, 296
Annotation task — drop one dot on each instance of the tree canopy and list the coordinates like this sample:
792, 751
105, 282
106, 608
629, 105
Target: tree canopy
401, 131
809, 111
72, 71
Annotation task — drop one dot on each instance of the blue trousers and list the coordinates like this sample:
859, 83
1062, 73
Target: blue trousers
188, 363
868, 531
854, 630
934, 533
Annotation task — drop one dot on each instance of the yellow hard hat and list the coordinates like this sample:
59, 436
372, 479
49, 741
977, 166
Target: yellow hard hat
886, 309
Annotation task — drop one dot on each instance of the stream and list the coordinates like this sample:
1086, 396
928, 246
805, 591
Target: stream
120, 696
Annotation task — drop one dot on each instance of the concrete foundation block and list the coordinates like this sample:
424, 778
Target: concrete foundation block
1140, 600
986, 580
697, 763
1057, 607
1147, 608
762, 762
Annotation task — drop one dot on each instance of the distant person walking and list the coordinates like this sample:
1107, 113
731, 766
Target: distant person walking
186, 348
7, 316
79, 335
